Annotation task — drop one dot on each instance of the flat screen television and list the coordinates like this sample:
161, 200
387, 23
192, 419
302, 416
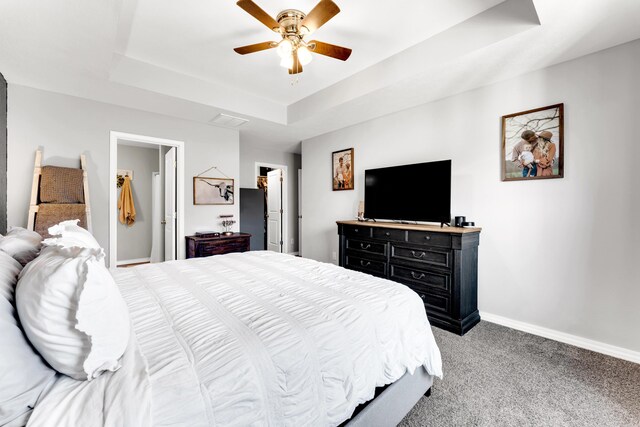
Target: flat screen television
418, 192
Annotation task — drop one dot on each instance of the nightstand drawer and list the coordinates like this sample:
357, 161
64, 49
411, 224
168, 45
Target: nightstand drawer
421, 256
367, 246
429, 238
428, 280
378, 268
389, 234
208, 250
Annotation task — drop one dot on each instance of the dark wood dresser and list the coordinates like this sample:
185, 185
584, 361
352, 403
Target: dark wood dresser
439, 264
198, 246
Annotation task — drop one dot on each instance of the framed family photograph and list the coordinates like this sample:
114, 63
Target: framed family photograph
212, 191
342, 169
533, 144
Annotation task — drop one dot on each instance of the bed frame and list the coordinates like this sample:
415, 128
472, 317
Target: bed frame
392, 402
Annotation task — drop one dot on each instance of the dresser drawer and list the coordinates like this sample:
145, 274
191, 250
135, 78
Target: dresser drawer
378, 268
436, 303
356, 231
426, 280
429, 238
433, 303
421, 256
367, 246
389, 234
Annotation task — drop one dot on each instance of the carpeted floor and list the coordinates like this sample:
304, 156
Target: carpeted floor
496, 376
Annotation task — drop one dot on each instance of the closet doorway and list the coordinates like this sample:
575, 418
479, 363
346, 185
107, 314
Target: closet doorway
147, 178
273, 179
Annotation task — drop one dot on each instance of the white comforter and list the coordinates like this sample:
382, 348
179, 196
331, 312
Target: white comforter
259, 338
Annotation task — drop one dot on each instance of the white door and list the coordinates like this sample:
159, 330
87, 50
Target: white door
274, 210
170, 205
156, 218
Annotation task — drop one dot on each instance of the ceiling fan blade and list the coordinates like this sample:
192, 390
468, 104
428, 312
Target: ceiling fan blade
319, 15
255, 47
254, 10
297, 66
326, 49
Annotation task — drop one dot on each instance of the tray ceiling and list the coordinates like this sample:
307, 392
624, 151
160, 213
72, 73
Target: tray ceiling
177, 58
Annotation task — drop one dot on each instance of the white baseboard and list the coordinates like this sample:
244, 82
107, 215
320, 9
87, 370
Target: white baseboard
133, 261
598, 347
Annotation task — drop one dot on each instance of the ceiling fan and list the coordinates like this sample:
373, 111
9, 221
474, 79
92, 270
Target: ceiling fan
293, 26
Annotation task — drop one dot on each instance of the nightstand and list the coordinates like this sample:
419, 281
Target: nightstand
207, 246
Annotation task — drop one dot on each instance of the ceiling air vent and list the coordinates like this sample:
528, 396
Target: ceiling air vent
227, 120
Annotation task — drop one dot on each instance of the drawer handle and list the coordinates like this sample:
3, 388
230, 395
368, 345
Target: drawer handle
362, 246
423, 296
417, 276
355, 230
362, 263
422, 254
387, 234
427, 237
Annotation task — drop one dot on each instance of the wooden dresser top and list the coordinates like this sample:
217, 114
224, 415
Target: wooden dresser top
418, 227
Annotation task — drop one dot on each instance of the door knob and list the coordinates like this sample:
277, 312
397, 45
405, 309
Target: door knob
163, 222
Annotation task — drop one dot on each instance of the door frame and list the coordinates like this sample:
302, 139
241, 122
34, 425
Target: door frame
114, 137
299, 212
285, 199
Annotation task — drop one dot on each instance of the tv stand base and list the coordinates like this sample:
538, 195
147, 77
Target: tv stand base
440, 264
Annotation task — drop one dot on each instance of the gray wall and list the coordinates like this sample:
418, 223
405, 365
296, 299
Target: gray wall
250, 153
135, 242
560, 254
3, 155
66, 126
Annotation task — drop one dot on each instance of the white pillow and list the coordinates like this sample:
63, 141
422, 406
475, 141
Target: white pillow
9, 271
21, 244
72, 311
71, 235
24, 374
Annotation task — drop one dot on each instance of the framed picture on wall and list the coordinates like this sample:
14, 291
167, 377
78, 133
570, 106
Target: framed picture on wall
212, 191
533, 144
342, 169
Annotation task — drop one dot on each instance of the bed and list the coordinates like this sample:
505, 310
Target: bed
257, 338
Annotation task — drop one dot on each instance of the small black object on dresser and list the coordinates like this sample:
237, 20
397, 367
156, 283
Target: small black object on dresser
439, 264
198, 246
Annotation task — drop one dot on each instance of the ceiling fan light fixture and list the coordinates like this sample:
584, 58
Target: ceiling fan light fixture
287, 62
293, 26
304, 55
285, 47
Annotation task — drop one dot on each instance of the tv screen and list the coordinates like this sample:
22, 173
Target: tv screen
418, 192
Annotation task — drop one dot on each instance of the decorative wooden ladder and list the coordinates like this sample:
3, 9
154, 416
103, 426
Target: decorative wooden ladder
35, 187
